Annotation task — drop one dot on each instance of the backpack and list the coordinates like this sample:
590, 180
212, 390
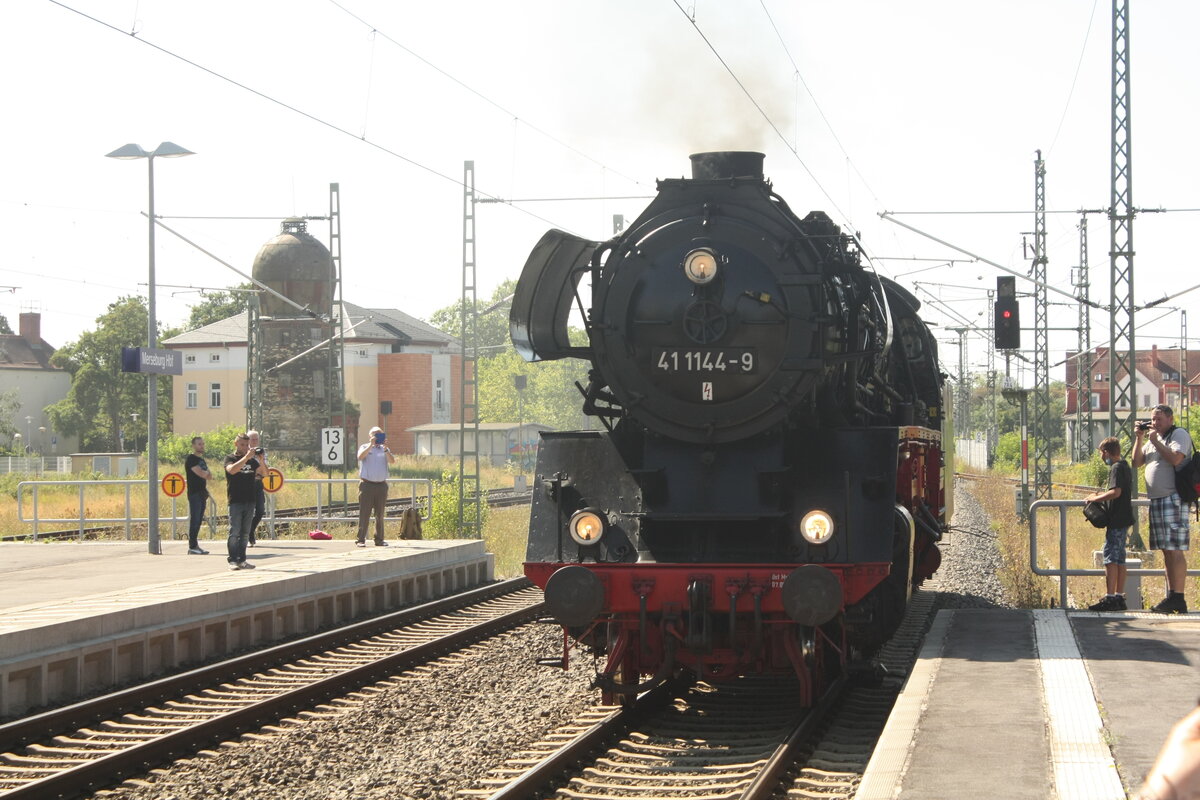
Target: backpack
1187, 477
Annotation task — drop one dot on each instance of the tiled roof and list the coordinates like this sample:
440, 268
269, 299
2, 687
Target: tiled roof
17, 352
381, 324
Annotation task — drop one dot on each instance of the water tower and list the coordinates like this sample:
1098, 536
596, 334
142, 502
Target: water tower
291, 378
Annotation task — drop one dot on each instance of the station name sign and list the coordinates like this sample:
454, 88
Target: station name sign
152, 361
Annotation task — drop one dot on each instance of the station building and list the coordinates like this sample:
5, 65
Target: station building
399, 371
25, 369
1169, 376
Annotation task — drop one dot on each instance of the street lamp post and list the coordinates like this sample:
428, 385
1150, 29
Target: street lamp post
41, 448
129, 152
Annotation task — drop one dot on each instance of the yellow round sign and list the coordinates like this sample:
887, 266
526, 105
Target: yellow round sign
173, 484
273, 480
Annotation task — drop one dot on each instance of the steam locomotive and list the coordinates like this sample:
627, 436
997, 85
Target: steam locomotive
765, 486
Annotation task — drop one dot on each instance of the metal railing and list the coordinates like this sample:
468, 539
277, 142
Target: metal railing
1062, 572
419, 495
35, 465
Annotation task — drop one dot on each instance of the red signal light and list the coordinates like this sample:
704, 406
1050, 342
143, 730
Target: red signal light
1007, 314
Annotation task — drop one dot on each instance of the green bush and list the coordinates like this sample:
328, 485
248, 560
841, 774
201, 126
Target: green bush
443, 518
175, 448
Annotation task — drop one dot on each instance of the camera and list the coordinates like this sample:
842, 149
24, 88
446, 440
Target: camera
1142, 425
380, 438
258, 451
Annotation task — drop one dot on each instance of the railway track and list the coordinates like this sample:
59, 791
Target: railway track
744, 740
1068, 487
73, 750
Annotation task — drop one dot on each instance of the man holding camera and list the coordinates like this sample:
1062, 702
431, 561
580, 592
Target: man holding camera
373, 460
1165, 447
260, 496
241, 468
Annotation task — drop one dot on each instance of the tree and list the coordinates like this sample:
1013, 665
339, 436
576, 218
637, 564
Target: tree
217, 306
491, 328
10, 403
5, 328
549, 397
102, 398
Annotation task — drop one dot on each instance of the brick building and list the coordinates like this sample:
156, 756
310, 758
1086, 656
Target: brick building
401, 372
1160, 376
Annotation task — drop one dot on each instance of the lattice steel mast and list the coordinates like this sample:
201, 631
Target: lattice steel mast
469, 512
1083, 377
1041, 348
1122, 355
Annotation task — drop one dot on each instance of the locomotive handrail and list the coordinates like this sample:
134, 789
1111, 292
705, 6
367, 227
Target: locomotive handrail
1062, 572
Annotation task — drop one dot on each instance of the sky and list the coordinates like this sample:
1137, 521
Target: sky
570, 111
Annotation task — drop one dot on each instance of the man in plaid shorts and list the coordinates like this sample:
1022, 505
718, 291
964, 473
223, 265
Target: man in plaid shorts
1161, 447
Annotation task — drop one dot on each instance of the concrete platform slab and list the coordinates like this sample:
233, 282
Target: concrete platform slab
80, 618
1005, 703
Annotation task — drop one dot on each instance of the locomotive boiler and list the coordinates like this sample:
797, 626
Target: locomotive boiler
764, 484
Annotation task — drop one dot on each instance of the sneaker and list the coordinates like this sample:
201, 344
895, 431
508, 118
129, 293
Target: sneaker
1173, 603
381, 544
1119, 603
251, 543
1107, 603
360, 544
196, 551
245, 565
233, 565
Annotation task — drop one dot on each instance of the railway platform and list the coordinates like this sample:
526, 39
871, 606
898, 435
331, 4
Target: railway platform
1036, 704
79, 618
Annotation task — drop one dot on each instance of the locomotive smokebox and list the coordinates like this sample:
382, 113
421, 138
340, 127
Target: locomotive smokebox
726, 164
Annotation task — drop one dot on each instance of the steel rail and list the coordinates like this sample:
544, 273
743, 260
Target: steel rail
617, 723
766, 783
135, 759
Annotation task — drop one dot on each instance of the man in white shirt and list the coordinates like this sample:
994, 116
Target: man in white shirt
373, 460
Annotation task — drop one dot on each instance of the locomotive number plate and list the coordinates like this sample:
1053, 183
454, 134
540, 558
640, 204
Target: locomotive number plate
730, 360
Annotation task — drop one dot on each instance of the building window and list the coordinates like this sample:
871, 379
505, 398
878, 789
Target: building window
1145, 401
190, 358
214, 395
1094, 403
193, 395
362, 352
439, 396
1099, 377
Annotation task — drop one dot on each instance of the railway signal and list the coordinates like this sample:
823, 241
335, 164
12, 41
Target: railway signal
1007, 324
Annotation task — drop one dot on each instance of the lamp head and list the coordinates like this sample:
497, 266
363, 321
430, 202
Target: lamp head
164, 150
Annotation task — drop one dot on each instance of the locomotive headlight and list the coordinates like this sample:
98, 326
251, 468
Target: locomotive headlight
816, 527
586, 526
700, 266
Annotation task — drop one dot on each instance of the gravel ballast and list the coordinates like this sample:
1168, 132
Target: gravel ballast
439, 729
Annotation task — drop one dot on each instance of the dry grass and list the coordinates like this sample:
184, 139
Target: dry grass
1027, 590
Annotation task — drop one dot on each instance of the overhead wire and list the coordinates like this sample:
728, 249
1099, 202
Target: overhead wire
516, 118
1075, 79
800, 76
307, 115
762, 112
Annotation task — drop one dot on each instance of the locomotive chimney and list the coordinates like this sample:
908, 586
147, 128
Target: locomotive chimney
727, 164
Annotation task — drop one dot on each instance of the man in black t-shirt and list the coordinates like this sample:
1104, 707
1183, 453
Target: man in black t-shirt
1119, 497
198, 476
241, 467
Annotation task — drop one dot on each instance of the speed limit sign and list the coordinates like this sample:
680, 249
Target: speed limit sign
333, 447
